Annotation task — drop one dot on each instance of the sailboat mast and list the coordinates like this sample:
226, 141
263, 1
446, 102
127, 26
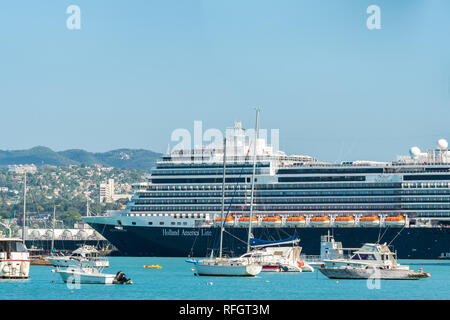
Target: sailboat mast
53, 233
223, 194
24, 236
253, 180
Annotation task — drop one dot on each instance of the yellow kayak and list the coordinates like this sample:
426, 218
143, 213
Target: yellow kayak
153, 267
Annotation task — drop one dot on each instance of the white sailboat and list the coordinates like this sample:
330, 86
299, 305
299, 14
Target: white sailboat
240, 266
278, 256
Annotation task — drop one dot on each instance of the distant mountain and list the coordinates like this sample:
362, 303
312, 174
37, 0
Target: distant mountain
120, 158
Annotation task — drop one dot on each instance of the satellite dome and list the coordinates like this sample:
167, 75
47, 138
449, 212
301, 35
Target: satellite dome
414, 152
442, 144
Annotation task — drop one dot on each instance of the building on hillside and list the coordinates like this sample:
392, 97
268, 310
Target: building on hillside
22, 168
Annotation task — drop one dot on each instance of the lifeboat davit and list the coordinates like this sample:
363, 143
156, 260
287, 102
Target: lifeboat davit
395, 221
320, 221
272, 221
296, 221
369, 221
344, 221
244, 221
229, 222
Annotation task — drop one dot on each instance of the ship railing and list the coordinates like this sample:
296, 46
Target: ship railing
310, 258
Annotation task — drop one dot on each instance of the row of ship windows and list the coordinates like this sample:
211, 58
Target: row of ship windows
161, 223
274, 186
175, 216
208, 172
296, 193
209, 165
296, 200
291, 207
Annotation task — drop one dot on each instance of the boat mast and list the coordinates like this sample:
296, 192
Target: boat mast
253, 180
223, 194
53, 233
24, 236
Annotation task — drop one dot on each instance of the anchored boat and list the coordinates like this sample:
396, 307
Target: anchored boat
231, 266
278, 256
90, 275
14, 259
371, 261
86, 255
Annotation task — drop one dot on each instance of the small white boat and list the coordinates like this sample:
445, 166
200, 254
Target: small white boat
277, 256
227, 267
371, 261
86, 255
90, 275
14, 259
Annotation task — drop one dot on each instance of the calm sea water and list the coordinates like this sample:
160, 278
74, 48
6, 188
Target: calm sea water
176, 281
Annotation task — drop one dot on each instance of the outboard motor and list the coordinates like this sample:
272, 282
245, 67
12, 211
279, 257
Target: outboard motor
120, 278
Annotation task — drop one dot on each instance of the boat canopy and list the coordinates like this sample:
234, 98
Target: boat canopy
259, 242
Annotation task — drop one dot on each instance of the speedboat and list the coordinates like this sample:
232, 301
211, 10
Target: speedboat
14, 259
90, 275
88, 256
371, 261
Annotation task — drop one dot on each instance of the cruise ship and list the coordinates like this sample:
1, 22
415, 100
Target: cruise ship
177, 211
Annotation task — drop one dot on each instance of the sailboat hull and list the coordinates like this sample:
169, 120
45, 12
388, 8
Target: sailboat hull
227, 270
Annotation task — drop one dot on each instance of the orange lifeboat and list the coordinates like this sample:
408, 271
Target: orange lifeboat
296, 221
272, 221
344, 221
369, 221
229, 221
245, 221
395, 221
320, 221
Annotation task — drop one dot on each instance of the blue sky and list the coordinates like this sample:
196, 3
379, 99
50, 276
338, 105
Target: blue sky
137, 70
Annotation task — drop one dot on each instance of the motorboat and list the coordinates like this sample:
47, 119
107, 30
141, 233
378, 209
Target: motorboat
88, 256
14, 259
371, 261
90, 275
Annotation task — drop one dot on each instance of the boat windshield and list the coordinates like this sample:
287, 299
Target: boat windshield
363, 256
12, 246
